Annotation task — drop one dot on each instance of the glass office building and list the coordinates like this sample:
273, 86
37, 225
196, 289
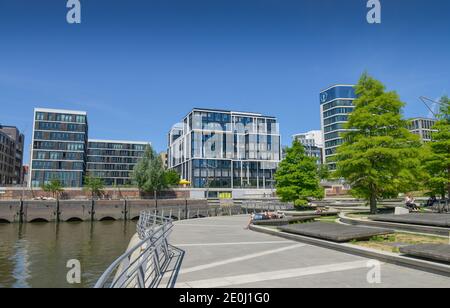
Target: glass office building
224, 151
423, 127
59, 147
336, 103
11, 155
114, 161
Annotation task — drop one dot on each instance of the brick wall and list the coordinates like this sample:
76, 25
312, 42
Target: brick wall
71, 194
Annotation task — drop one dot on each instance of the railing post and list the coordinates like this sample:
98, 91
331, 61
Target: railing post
141, 277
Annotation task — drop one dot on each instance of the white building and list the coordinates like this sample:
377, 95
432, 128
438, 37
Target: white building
313, 143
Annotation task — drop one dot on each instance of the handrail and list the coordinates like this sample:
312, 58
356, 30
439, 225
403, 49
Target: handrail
141, 266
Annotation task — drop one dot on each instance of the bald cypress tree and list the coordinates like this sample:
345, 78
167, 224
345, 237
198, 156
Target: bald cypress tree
379, 156
436, 160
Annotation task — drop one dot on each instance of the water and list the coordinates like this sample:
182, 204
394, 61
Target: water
36, 254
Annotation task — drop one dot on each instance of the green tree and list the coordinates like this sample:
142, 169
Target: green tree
379, 156
324, 172
297, 177
436, 159
149, 173
94, 185
55, 187
172, 178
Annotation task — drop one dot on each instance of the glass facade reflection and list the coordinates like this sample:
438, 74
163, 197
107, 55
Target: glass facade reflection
114, 161
336, 103
225, 149
59, 147
423, 127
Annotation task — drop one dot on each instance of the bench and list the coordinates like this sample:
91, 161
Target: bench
435, 252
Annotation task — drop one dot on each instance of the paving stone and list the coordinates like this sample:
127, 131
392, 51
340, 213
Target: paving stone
424, 219
435, 252
334, 232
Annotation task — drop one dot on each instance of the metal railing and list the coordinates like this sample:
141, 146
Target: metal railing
258, 206
142, 265
441, 206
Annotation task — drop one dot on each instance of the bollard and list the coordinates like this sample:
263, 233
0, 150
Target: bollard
21, 211
58, 212
125, 209
92, 209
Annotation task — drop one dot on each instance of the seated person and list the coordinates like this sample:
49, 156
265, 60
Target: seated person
431, 201
410, 203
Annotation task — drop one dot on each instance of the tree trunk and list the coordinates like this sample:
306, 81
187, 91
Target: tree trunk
448, 185
373, 204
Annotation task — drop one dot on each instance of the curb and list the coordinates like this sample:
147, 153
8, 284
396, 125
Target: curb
423, 265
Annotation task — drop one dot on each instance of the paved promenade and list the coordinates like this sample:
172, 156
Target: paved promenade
219, 252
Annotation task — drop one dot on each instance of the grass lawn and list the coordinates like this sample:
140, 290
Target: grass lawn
357, 215
392, 242
330, 219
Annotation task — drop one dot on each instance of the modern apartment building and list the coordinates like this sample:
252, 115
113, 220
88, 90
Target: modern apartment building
11, 155
313, 143
164, 158
59, 147
113, 161
423, 127
226, 153
336, 102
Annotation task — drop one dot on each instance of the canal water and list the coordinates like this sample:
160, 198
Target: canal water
36, 254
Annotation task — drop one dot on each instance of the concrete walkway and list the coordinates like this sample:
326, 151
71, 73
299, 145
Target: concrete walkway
219, 252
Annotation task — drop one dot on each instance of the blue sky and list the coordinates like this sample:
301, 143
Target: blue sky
138, 66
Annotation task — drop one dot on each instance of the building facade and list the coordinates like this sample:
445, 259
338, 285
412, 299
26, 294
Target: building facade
336, 103
59, 147
313, 143
114, 161
164, 159
224, 153
423, 127
11, 155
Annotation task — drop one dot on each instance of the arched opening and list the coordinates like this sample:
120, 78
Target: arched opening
74, 219
4, 221
136, 218
39, 220
107, 218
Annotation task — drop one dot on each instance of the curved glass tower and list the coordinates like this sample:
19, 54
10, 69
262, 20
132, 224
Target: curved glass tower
336, 102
